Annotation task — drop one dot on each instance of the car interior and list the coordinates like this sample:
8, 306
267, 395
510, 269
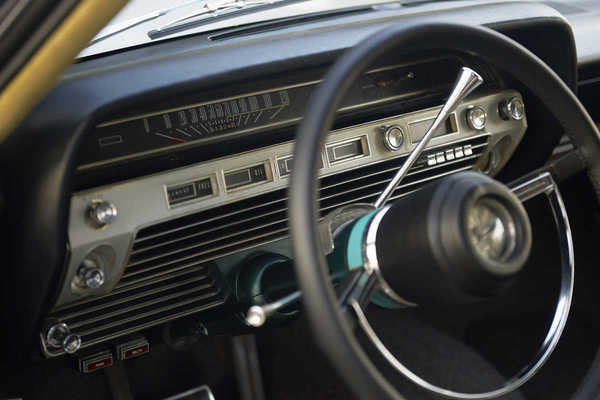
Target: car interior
299, 199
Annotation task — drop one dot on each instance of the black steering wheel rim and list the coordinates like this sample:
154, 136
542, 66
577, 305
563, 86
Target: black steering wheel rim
334, 335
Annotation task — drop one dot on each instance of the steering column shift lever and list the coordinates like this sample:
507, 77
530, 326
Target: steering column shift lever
466, 82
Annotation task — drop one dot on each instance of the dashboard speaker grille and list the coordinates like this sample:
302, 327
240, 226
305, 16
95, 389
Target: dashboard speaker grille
169, 273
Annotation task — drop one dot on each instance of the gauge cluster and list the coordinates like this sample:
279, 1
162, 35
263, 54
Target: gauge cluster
193, 124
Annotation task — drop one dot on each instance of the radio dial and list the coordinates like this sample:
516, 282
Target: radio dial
102, 213
477, 118
393, 137
59, 336
512, 109
90, 275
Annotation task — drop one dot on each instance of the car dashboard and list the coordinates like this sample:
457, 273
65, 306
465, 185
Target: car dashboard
178, 158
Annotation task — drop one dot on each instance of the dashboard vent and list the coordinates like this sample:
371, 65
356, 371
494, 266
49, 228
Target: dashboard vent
169, 273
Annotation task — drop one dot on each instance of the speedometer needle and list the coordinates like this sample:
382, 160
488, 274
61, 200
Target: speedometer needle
466, 82
170, 137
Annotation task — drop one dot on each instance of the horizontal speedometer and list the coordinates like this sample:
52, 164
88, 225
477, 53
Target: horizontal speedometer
258, 111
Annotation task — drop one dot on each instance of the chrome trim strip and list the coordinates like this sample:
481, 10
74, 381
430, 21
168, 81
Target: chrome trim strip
542, 183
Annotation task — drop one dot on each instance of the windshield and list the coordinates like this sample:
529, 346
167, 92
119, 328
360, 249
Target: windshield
144, 21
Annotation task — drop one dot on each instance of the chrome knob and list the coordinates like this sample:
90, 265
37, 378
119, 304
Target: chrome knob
256, 316
393, 137
56, 335
477, 118
59, 336
90, 274
71, 343
513, 108
102, 213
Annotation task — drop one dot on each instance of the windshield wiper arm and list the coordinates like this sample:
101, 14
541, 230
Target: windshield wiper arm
130, 23
213, 13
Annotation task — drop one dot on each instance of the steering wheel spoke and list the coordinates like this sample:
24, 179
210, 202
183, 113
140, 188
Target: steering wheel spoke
357, 287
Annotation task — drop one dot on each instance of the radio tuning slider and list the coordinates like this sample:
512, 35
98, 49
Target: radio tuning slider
101, 213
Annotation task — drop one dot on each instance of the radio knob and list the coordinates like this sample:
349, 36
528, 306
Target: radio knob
71, 344
513, 108
56, 334
393, 137
90, 275
102, 213
59, 336
477, 118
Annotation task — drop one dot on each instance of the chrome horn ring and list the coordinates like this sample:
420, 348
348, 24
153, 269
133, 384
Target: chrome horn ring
525, 189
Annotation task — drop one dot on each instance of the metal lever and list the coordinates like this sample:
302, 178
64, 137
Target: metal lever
466, 82
257, 315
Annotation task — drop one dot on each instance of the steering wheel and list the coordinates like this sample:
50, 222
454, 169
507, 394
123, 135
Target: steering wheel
443, 255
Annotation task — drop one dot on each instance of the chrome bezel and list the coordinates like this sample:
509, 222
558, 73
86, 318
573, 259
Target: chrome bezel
387, 137
471, 119
510, 107
531, 186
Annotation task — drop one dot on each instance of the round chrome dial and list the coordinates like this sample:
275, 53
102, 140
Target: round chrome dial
513, 108
477, 118
102, 213
59, 336
56, 335
71, 344
90, 274
393, 137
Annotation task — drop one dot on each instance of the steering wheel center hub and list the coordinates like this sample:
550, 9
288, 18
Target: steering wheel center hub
491, 229
456, 240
